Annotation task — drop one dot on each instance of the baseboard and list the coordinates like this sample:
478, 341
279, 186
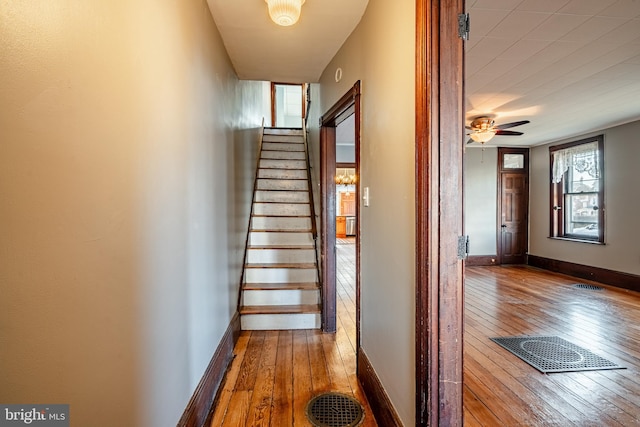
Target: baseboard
481, 260
602, 275
198, 408
383, 410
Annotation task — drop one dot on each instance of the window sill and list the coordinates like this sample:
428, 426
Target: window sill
572, 239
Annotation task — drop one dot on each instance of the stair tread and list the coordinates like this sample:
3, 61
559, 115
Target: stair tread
281, 286
284, 230
281, 309
300, 265
306, 247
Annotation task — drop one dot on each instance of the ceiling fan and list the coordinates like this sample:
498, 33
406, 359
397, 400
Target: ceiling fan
483, 128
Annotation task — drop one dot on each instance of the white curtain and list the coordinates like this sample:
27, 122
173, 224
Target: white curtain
583, 157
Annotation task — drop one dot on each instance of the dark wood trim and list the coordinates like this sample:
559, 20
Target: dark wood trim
381, 406
328, 226
439, 272
346, 165
198, 410
602, 275
348, 104
481, 260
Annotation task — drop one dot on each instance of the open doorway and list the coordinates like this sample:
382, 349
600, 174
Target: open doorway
339, 172
287, 105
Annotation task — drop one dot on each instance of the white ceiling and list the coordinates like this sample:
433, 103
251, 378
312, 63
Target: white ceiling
568, 66
262, 50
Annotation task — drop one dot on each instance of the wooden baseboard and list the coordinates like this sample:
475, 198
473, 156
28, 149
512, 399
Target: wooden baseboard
481, 260
199, 407
602, 275
381, 406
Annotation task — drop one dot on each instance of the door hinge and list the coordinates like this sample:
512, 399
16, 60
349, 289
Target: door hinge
463, 247
463, 26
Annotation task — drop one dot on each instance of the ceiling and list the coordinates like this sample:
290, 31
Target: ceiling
262, 50
569, 66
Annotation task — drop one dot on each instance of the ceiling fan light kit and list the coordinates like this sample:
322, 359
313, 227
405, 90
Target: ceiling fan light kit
285, 12
483, 129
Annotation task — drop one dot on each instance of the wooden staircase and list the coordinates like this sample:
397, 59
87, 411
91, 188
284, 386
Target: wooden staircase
280, 288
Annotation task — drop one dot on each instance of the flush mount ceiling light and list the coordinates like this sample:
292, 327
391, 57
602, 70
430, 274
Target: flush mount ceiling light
285, 12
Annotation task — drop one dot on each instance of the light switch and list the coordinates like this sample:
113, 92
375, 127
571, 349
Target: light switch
365, 196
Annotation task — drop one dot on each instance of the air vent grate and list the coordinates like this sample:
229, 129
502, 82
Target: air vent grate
334, 410
587, 287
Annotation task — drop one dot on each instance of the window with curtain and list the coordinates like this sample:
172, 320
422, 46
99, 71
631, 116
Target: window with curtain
577, 190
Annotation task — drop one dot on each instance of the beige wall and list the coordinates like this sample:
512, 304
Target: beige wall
622, 202
380, 53
127, 150
480, 199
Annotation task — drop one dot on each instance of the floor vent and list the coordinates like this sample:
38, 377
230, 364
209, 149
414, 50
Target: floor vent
553, 354
587, 287
334, 410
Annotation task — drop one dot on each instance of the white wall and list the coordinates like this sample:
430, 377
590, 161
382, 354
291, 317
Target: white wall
126, 160
480, 199
622, 202
380, 53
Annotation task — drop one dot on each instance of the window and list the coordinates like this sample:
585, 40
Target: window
577, 190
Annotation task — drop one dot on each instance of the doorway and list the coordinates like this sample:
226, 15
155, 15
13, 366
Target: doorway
339, 148
513, 205
287, 105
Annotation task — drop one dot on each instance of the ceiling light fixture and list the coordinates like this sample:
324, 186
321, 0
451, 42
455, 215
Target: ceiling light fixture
482, 136
285, 12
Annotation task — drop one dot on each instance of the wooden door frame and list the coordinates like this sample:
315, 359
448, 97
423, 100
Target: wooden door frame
347, 105
273, 99
501, 172
439, 271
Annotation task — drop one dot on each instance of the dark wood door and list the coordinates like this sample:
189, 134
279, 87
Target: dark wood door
513, 191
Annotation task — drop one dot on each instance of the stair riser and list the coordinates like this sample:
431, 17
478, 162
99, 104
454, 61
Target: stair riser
280, 275
282, 164
283, 155
290, 139
288, 297
266, 322
282, 184
282, 196
282, 146
281, 256
262, 238
282, 174
281, 209
277, 223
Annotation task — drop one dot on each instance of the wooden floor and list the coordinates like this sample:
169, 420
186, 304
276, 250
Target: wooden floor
275, 373
502, 390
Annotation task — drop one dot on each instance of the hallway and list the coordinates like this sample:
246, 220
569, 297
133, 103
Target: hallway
275, 373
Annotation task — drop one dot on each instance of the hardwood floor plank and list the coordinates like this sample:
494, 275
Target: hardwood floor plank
228, 386
282, 412
301, 378
262, 396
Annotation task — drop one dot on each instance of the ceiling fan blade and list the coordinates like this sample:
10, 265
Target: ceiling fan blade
508, 132
511, 125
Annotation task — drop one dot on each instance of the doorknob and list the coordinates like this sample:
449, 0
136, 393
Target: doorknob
504, 226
